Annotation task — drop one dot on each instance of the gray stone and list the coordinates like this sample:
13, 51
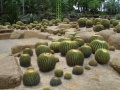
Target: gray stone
106, 34
31, 33
10, 72
114, 40
42, 35
17, 34
65, 26
5, 36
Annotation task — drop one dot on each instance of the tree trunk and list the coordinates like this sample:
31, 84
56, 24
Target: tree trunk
23, 6
2, 6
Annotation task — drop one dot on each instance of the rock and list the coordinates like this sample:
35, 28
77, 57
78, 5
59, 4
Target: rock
10, 72
5, 36
43, 35
6, 30
17, 34
114, 40
85, 35
106, 34
31, 33
65, 26
115, 62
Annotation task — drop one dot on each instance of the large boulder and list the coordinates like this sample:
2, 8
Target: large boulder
43, 35
31, 33
85, 35
17, 34
65, 26
106, 34
5, 36
10, 72
115, 62
114, 40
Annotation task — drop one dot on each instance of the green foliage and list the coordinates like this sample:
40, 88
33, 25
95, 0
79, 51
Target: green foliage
74, 57
25, 60
67, 75
77, 70
96, 37
105, 23
55, 46
58, 72
55, 81
28, 51
97, 44
82, 22
98, 28
65, 46
31, 77
93, 63
46, 62
102, 56
89, 23
86, 50
42, 49
41, 43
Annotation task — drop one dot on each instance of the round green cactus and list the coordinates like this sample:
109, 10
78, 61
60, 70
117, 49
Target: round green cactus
66, 20
80, 42
46, 62
117, 29
97, 20
65, 46
86, 50
96, 37
105, 23
42, 49
31, 77
70, 36
28, 51
89, 23
87, 67
55, 46
115, 23
93, 63
77, 70
22, 27
58, 72
102, 56
55, 81
98, 27
82, 22
74, 57
67, 75
35, 22
76, 37
63, 39
25, 60
46, 88
111, 48
97, 44
41, 43
55, 32
19, 23
112, 20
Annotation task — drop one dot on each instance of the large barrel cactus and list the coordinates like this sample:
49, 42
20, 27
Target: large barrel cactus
31, 77
63, 39
105, 23
86, 50
25, 60
55, 81
65, 46
46, 62
55, 46
97, 44
80, 42
28, 51
102, 56
74, 57
42, 49
41, 43
82, 22
96, 37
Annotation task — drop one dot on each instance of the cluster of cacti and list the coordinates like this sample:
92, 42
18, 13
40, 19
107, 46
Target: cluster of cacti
66, 20
62, 31
35, 22
65, 46
70, 36
28, 51
115, 23
97, 44
112, 20
58, 72
46, 88
42, 49
117, 29
74, 25
86, 50
55, 46
96, 37
89, 23
31, 77
93, 63
77, 70
74, 57
57, 21
102, 56
97, 20
87, 67
22, 27
98, 27
7, 23
82, 22
46, 62
25, 60
105, 23
67, 75
41, 43
55, 81
80, 41
19, 23
55, 32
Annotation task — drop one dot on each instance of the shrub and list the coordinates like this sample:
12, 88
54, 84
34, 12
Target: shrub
55, 32
19, 23
58, 72
35, 22
77, 70
46, 62
115, 23
112, 20
117, 16
55, 81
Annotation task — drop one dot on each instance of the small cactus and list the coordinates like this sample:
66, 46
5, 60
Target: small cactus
77, 70
67, 75
41, 43
58, 72
93, 63
46, 88
87, 67
55, 81
28, 51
